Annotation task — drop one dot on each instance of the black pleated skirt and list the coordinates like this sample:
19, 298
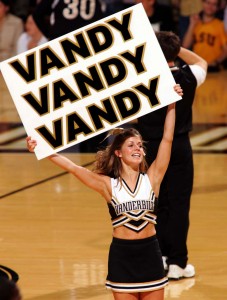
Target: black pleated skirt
135, 266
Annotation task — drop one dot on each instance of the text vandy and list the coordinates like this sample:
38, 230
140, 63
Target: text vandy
96, 78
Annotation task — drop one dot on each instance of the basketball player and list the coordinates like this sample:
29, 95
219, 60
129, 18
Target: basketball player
56, 17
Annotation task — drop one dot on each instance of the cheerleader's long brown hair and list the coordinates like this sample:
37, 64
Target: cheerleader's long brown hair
107, 163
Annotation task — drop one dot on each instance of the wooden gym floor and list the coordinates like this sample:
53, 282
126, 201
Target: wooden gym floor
55, 232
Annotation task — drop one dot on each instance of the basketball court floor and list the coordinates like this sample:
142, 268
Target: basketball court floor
55, 232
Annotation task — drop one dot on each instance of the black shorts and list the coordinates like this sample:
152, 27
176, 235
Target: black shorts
135, 266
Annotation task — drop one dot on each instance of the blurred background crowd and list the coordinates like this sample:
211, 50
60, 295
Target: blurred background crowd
200, 24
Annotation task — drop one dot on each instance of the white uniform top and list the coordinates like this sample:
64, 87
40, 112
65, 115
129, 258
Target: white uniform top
132, 209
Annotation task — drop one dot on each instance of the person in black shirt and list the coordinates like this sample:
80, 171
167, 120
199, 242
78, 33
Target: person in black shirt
56, 17
176, 188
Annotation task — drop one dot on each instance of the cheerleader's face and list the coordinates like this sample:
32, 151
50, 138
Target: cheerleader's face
132, 151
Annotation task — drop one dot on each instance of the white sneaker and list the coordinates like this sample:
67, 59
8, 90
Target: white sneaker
176, 272
164, 259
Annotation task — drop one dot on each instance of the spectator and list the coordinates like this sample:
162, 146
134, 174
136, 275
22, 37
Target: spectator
32, 37
206, 35
160, 16
55, 18
11, 27
176, 188
9, 290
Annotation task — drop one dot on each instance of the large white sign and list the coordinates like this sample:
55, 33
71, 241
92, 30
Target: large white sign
89, 81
